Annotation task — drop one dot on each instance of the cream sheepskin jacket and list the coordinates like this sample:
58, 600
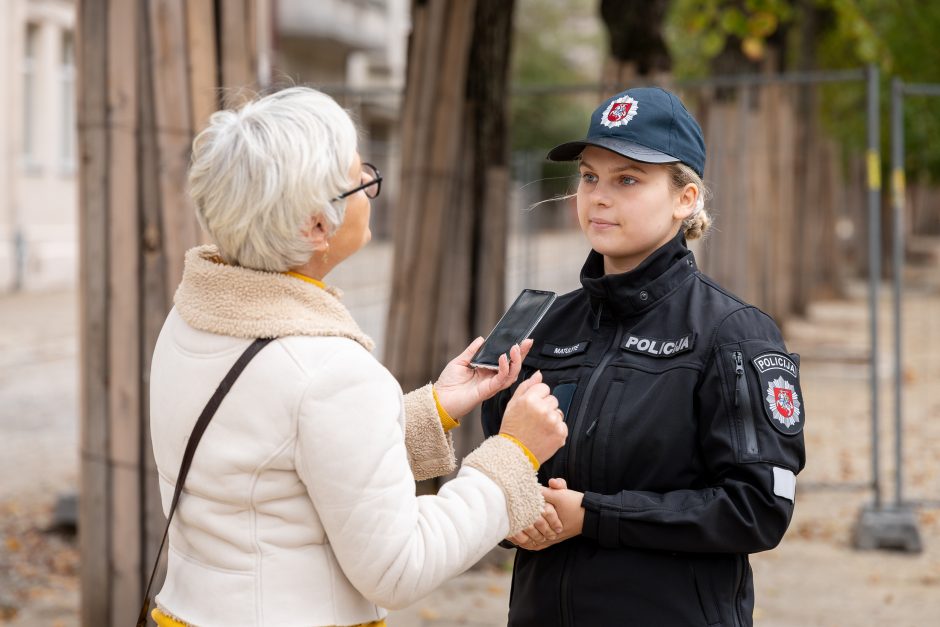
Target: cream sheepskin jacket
300, 504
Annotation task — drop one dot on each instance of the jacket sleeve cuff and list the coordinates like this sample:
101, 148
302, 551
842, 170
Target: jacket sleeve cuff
446, 421
430, 448
601, 520
504, 462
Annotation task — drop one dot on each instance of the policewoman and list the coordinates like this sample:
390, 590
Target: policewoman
683, 405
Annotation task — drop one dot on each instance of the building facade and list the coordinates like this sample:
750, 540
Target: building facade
355, 50
38, 182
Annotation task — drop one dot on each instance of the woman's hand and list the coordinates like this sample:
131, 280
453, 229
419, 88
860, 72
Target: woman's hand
545, 529
460, 388
532, 416
566, 504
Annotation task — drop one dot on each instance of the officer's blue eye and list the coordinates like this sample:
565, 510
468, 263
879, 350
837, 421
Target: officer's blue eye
587, 177
627, 180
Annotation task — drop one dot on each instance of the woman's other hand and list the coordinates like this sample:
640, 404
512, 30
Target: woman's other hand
543, 530
533, 417
565, 504
460, 388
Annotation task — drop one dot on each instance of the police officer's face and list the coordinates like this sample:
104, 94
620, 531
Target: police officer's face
627, 209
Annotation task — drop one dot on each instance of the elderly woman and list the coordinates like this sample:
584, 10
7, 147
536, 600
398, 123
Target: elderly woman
300, 506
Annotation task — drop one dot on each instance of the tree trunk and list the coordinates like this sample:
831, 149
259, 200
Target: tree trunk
450, 238
637, 48
149, 78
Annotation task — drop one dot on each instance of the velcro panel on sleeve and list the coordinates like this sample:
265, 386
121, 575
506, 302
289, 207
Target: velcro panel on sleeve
784, 483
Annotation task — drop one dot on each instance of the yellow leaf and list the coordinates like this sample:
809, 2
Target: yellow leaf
753, 48
429, 614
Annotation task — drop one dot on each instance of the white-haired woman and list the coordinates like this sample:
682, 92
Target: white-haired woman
300, 507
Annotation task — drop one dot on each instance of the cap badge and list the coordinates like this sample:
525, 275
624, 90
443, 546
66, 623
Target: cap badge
619, 112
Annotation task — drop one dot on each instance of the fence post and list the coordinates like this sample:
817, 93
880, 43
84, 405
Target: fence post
874, 263
893, 527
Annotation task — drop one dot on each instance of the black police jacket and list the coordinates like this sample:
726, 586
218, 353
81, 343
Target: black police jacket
685, 420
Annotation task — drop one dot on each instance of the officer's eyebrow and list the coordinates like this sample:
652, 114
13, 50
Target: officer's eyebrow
621, 168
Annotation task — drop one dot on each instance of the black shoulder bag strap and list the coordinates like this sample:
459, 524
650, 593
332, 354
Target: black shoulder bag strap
198, 430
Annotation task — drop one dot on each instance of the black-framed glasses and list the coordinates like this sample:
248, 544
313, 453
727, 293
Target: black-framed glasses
372, 182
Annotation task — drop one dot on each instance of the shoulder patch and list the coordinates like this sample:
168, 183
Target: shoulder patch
552, 350
780, 387
655, 347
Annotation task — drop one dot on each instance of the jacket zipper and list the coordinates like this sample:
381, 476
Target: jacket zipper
739, 591
563, 597
742, 403
585, 401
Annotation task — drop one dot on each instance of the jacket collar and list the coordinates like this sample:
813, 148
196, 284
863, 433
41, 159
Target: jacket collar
235, 301
630, 293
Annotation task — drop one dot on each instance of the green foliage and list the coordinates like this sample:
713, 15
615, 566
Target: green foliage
900, 36
697, 31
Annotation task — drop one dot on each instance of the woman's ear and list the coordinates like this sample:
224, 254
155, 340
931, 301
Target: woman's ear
686, 201
315, 232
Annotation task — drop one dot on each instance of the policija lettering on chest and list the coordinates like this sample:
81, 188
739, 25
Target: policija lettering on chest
655, 347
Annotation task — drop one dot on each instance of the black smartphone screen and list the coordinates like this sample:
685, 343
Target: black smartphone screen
515, 326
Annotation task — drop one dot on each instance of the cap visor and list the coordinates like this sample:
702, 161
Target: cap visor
569, 151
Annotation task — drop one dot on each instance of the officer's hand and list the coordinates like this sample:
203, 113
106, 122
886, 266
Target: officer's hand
460, 388
545, 529
532, 417
567, 505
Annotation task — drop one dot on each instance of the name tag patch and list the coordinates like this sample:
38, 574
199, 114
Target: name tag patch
780, 388
551, 350
658, 348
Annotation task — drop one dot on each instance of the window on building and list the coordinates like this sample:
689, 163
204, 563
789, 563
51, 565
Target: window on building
30, 66
67, 90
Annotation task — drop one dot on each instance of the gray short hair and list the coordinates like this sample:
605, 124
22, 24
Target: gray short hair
260, 172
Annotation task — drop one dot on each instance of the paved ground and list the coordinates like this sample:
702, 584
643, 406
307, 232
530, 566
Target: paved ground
813, 578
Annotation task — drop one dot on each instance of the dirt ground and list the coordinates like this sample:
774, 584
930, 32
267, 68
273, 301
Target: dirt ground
814, 577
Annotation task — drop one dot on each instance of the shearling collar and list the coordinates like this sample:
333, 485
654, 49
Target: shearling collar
230, 300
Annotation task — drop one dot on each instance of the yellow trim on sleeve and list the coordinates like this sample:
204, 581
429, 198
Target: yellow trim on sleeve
525, 449
164, 620
446, 421
308, 279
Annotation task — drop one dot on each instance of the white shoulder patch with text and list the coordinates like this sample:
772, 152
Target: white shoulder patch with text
784, 483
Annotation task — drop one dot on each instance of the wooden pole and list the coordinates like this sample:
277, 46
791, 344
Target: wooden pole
148, 80
450, 242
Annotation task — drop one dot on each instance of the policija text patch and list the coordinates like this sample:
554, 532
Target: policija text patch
780, 388
658, 348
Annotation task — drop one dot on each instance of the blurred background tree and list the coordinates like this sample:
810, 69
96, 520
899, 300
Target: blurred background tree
709, 37
555, 42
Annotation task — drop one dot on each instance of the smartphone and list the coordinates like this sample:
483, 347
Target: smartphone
516, 324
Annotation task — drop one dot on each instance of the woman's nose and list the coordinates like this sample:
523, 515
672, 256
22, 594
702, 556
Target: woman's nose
600, 195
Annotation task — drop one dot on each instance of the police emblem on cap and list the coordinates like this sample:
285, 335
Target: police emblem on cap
779, 378
619, 112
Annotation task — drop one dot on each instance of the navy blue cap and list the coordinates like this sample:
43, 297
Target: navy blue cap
646, 124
